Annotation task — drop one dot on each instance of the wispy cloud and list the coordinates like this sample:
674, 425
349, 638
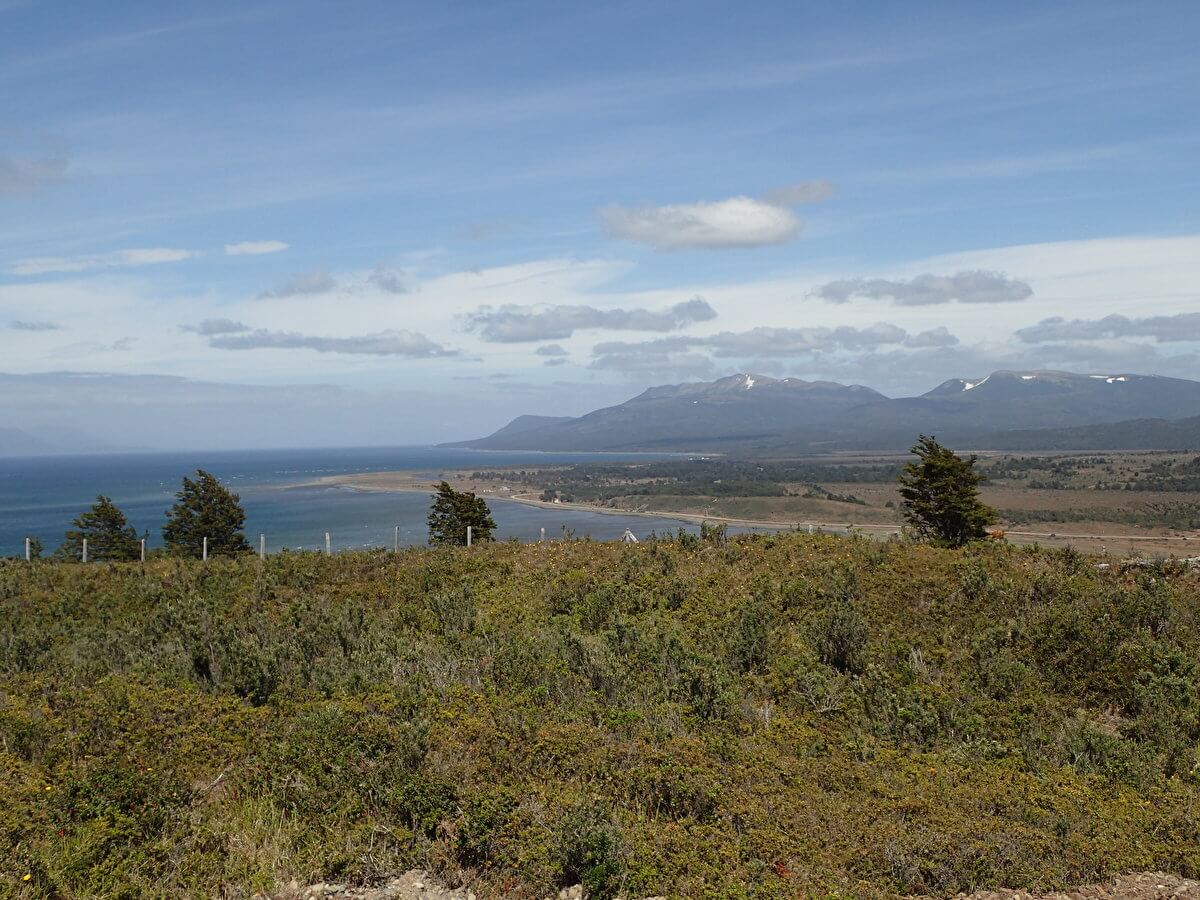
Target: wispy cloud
924, 290
390, 281
514, 324
212, 327
317, 281
799, 193
410, 344
254, 248
22, 175
24, 325
1021, 166
143, 256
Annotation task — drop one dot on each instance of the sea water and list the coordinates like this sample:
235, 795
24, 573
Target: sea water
40, 496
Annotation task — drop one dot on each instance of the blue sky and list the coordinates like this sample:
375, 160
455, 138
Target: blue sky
516, 201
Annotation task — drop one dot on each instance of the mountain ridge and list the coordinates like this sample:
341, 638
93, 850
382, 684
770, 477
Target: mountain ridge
748, 412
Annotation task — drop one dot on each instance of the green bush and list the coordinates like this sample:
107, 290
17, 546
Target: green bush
841, 639
588, 851
773, 716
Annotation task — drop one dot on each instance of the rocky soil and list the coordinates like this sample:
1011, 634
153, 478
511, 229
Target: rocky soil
418, 885
414, 885
1138, 886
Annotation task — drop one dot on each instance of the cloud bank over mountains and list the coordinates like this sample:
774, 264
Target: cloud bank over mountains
1165, 329
927, 290
701, 355
516, 324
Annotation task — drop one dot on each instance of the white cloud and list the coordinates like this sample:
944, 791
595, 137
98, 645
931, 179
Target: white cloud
724, 224
141, 256
254, 248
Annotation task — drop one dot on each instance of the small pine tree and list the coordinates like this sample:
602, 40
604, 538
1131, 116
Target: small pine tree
452, 511
941, 496
109, 536
205, 508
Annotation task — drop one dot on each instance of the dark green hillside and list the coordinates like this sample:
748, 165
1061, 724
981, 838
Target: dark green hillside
768, 717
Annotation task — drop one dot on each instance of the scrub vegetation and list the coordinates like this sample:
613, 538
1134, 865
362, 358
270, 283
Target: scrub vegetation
757, 716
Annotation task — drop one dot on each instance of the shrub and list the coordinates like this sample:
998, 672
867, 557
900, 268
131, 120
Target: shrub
588, 851
750, 640
703, 721
840, 637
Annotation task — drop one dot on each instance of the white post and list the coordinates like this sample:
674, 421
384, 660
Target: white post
28, 550
143, 549
468, 535
396, 542
543, 538
204, 551
262, 545
810, 527
85, 549
328, 549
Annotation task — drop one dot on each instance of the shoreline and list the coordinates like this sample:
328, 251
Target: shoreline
420, 487
401, 481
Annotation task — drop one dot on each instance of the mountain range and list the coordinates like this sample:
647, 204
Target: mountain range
755, 414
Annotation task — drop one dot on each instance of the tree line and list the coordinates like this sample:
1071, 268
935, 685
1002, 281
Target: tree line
940, 491
203, 509
207, 516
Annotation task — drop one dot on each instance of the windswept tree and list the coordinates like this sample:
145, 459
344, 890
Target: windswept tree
109, 536
452, 511
205, 508
941, 496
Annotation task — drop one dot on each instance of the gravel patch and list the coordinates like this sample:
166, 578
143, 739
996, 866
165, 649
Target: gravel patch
419, 885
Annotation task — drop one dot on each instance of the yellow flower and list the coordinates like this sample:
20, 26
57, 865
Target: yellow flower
27, 877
